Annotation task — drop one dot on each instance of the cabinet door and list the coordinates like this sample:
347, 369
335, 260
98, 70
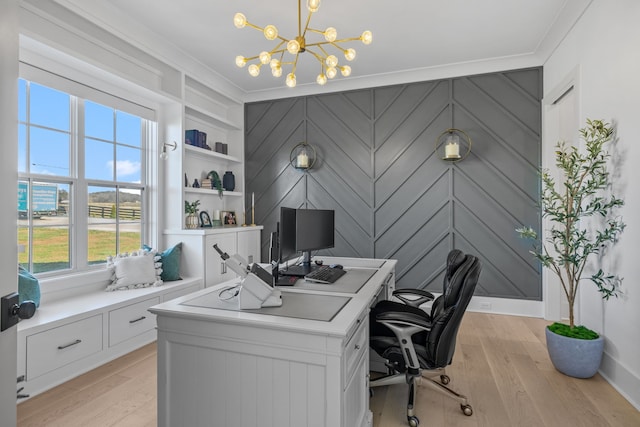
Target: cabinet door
216, 271
249, 245
356, 396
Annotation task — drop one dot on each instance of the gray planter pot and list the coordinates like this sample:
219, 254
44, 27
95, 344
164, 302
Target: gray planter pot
575, 357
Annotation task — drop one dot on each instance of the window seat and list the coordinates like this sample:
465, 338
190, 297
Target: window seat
78, 328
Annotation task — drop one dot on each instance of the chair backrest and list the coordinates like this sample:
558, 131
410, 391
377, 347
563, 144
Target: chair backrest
460, 285
454, 259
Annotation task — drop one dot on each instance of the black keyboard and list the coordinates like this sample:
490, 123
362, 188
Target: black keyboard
325, 274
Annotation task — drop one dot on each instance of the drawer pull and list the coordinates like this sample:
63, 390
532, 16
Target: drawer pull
137, 320
62, 347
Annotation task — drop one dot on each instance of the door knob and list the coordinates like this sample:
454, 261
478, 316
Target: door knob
12, 311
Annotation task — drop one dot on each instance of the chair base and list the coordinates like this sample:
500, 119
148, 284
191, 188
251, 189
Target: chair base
429, 377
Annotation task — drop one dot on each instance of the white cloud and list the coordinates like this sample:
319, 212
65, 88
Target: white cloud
125, 167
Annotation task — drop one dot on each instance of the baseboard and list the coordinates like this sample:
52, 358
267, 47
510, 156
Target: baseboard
620, 378
513, 307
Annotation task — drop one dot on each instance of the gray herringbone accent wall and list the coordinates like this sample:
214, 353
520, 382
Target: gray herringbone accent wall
393, 195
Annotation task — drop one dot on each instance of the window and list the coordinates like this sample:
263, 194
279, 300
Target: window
81, 185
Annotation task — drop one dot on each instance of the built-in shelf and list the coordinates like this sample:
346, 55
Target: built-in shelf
210, 191
209, 117
209, 153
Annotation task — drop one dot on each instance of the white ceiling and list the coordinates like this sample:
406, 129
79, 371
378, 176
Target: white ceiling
409, 36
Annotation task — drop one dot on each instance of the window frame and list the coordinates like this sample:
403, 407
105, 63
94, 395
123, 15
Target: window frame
79, 185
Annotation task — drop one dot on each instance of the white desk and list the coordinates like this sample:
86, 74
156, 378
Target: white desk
220, 367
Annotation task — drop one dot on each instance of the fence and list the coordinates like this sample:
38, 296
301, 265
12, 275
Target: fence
97, 211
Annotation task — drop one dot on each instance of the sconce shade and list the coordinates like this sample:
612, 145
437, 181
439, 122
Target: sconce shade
163, 152
450, 148
303, 156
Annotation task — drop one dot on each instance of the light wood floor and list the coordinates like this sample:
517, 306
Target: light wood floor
501, 365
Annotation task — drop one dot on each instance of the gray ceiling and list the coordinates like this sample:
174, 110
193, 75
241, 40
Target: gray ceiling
408, 35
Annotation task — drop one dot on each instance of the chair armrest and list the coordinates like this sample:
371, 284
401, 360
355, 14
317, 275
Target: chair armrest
400, 319
423, 296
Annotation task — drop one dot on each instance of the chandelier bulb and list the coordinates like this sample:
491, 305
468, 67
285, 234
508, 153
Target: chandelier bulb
276, 71
321, 79
241, 61
345, 71
270, 32
330, 34
265, 57
366, 37
275, 63
293, 47
291, 80
254, 70
331, 61
313, 5
239, 20
350, 54
331, 72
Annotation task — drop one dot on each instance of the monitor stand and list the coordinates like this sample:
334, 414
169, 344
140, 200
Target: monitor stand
302, 269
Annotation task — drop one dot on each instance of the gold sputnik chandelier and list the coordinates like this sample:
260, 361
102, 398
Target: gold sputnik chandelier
275, 58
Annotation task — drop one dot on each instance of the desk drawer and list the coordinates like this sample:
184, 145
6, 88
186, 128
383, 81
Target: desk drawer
354, 349
132, 320
63, 345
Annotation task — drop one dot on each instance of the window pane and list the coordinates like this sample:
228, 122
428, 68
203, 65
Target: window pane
98, 121
128, 164
23, 246
49, 152
22, 148
22, 100
49, 107
130, 222
98, 161
50, 247
128, 129
102, 224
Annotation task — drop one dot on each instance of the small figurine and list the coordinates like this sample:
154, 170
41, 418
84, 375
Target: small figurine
196, 184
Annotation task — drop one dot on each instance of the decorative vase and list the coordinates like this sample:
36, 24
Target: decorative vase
229, 181
191, 221
574, 357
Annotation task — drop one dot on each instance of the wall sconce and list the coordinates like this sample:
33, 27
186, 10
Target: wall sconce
452, 144
163, 153
303, 156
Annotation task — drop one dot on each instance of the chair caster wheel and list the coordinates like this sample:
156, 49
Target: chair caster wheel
467, 410
444, 379
413, 421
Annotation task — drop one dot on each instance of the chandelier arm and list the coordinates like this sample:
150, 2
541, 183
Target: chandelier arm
318, 57
306, 26
275, 49
350, 39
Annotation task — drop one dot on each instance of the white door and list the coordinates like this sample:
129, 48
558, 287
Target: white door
561, 124
8, 194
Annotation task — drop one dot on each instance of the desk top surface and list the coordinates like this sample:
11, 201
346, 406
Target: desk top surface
350, 304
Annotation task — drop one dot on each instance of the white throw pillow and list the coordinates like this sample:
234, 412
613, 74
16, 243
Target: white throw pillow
139, 269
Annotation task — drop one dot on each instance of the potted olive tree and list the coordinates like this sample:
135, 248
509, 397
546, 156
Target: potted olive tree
571, 243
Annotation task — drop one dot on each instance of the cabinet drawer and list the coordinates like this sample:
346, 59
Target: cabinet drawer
355, 347
65, 344
132, 320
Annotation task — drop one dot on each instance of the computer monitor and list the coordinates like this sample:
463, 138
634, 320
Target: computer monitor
305, 230
287, 231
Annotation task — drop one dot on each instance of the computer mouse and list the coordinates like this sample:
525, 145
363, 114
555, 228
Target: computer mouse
336, 266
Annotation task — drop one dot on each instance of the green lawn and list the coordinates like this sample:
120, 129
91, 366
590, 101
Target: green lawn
51, 247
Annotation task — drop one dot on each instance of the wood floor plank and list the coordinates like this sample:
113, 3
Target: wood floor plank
501, 364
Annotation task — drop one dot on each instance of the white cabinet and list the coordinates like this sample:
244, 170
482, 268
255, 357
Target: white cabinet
72, 335
199, 258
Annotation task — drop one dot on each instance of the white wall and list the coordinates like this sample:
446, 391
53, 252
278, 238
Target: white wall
604, 46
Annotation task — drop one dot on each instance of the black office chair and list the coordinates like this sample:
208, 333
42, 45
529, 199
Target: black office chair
416, 344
